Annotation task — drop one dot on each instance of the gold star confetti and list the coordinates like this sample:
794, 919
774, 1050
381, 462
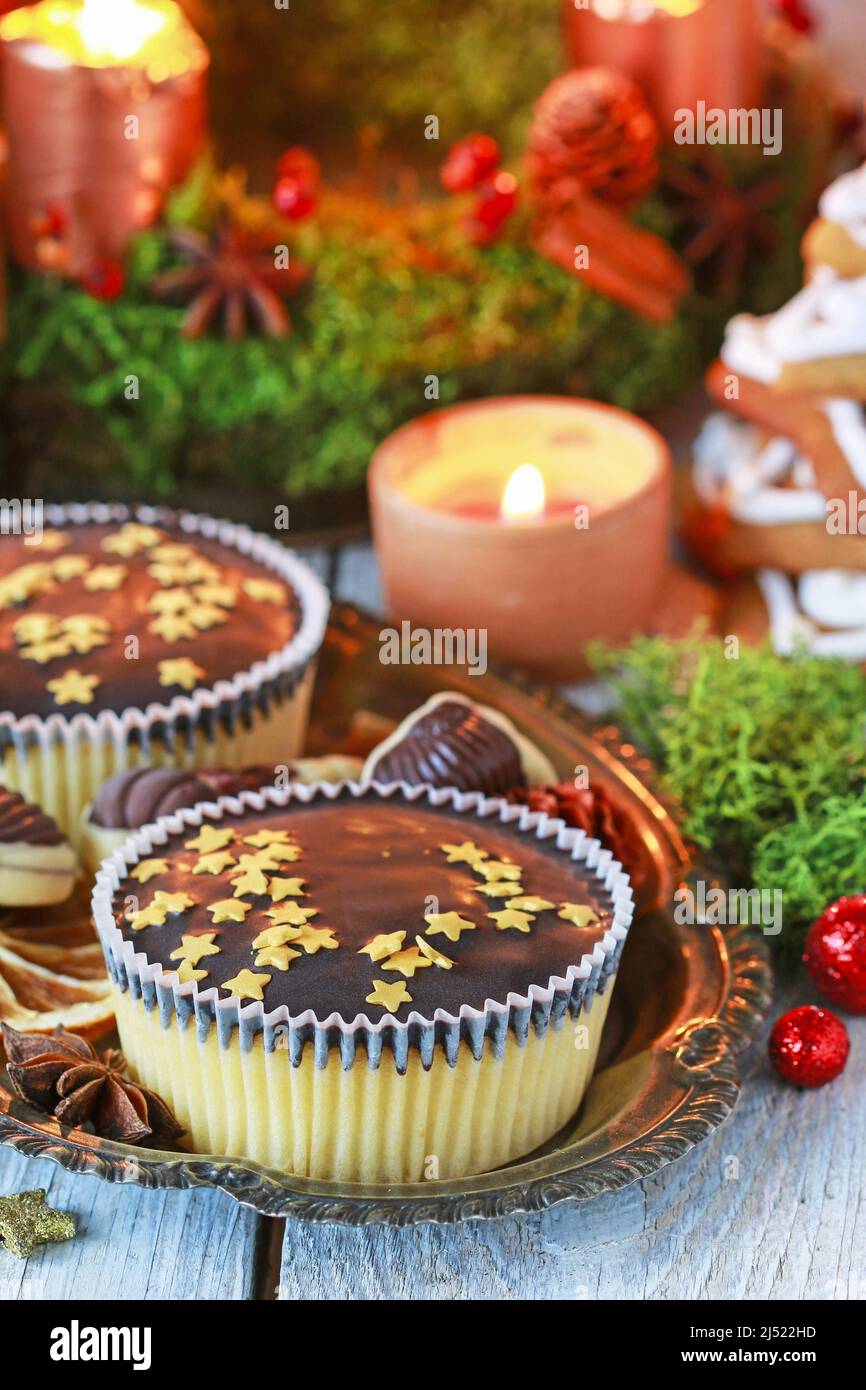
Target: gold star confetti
148, 869
180, 671
174, 903
228, 910
291, 915
264, 590
34, 627
195, 948
407, 962
313, 939
527, 903
73, 688
578, 914
281, 888
280, 957
25, 1222
275, 936
434, 956
267, 837
509, 918
467, 853
390, 996
105, 577
187, 973
385, 944
450, 924
213, 863
132, 537
70, 567
210, 838
246, 985
498, 869
172, 627
151, 916
499, 890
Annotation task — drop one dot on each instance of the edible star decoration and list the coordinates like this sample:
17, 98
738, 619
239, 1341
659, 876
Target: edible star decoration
34, 627
169, 601
222, 594
151, 916
187, 973
499, 890
280, 957
53, 540
73, 688
206, 615
105, 577
281, 888
434, 956
173, 903
291, 914
498, 869
262, 838
578, 914
250, 881
172, 627
213, 863
385, 944
148, 869
132, 537
519, 921
195, 948
467, 853
450, 924
275, 936
180, 671
407, 962
47, 650
210, 838
228, 910
313, 939
25, 581
528, 903
264, 590
247, 985
25, 1222
70, 567
390, 996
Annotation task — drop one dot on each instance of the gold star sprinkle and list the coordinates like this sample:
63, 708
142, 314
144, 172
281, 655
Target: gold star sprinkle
498, 869
530, 904
385, 944
85, 622
83, 642
291, 914
228, 910
172, 551
281, 888
407, 962
105, 577
264, 590
314, 939
169, 601
499, 890
255, 863
187, 973
49, 650
222, 594
450, 924
151, 916
390, 996
180, 671
518, 921
246, 985
172, 627
275, 936
467, 853
578, 914
195, 948
73, 688
148, 869
213, 863
53, 540
434, 956
34, 627
209, 838
278, 854
267, 837
206, 615
70, 567
280, 957
250, 881
132, 537
173, 903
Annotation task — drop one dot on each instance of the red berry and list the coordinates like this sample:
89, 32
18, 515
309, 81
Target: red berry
299, 164
104, 280
495, 204
809, 1046
291, 199
469, 161
835, 954
797, 15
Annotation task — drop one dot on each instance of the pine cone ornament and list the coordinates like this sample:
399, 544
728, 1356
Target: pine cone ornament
592, 132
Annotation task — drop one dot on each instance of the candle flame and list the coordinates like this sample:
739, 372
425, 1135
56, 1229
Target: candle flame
523, 497
118, 28
152, 36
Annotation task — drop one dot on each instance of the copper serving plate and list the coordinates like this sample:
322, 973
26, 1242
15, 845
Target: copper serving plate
687, 999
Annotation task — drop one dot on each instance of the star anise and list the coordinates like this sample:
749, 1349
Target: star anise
726, 222
592, 810
232, 278
60, 1073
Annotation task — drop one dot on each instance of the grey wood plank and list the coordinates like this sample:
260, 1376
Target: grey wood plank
131, 1243
770, 1207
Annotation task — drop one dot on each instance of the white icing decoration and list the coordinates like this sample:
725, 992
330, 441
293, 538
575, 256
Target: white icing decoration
844, 203
848, 423
826, 319
834, 596
732, 468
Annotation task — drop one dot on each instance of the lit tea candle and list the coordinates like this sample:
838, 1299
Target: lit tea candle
104, 105
542, 520
680, 52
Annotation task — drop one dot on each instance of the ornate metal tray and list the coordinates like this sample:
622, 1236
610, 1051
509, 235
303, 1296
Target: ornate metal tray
688, 999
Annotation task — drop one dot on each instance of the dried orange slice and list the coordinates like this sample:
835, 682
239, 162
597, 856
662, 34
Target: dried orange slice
52, 970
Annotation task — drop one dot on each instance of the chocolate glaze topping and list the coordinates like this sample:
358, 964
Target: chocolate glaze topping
142, 794
374, 866
453, 745
252, 628
23, 823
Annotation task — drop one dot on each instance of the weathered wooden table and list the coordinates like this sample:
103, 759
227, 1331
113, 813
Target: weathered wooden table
772, 1206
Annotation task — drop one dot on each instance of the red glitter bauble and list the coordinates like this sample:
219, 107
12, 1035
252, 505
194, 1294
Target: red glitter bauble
809, 1046
299, 164
835, 954
469, 162
105, 280
292, 199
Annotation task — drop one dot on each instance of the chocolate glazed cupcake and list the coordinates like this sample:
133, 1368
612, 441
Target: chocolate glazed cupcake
133, 637
363, 983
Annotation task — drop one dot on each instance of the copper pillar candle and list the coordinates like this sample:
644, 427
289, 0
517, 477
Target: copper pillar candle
679, 52
104, 104
543, 521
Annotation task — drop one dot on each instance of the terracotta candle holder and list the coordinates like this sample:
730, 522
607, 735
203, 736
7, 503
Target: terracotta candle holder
542, 520
105, 105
